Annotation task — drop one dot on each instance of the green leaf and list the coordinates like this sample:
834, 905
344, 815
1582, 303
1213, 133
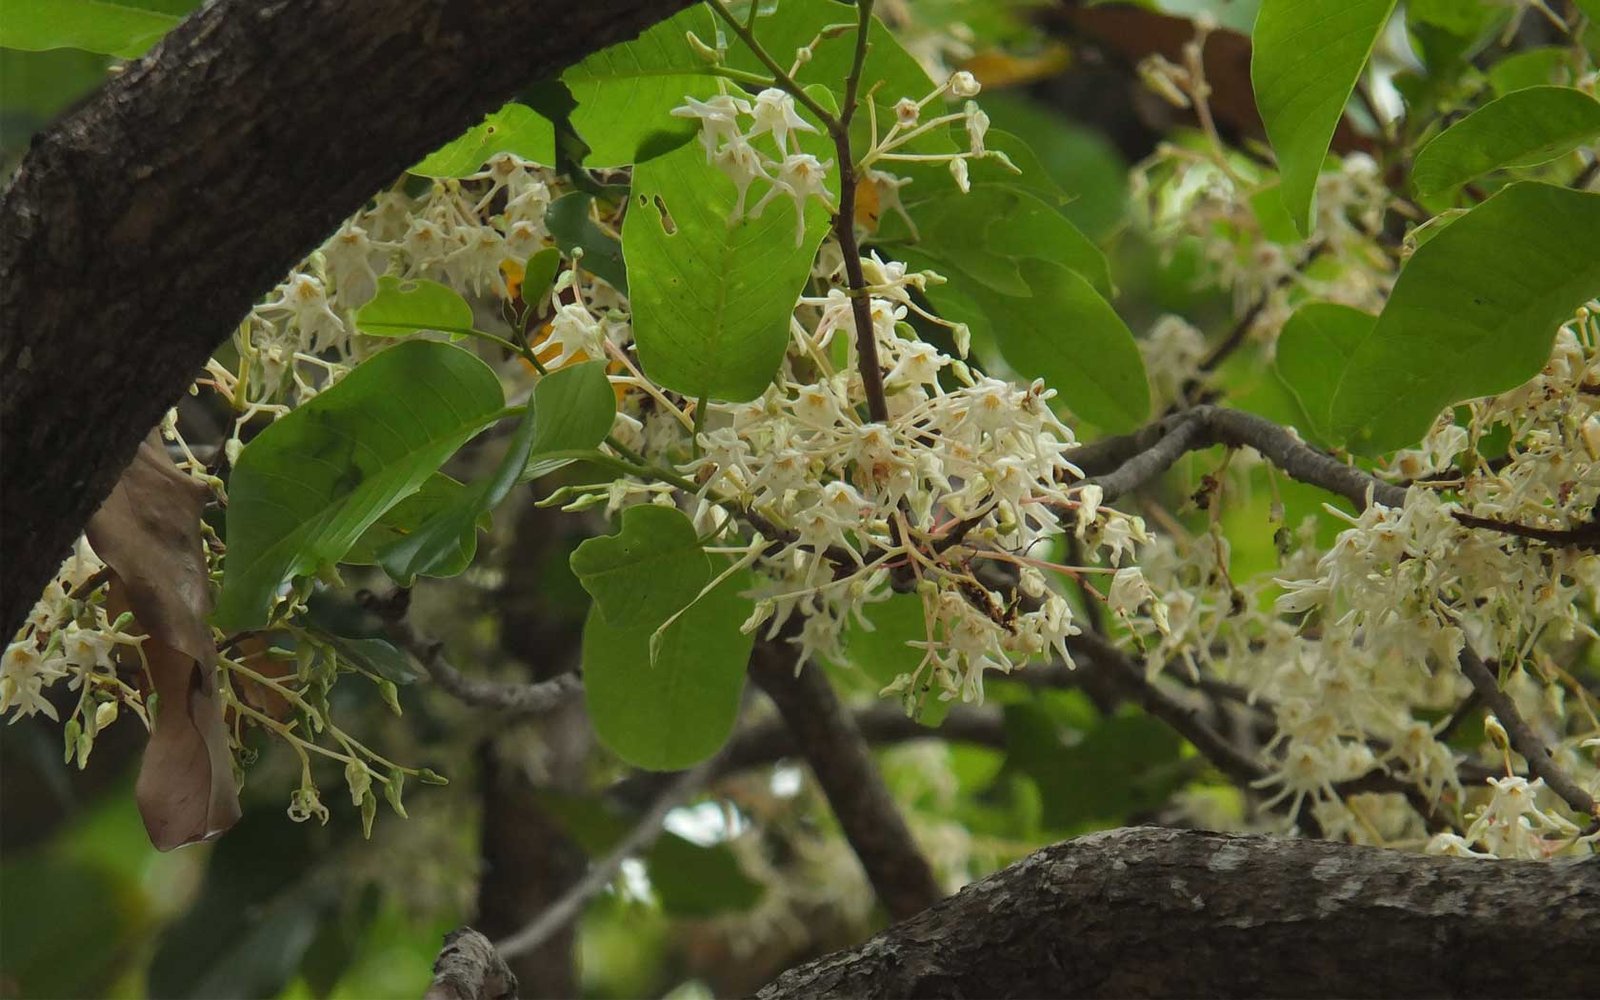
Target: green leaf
1064, 333
1305, 60
557, 418
407, 305
1318, 339
680, 710
1543, 66
539, 275
1522, 129
712, 300
985, 235
309, 485
437, 493
1121, 766
882, 653
515, 128
626, 93
1474, 313
111, 29
571, 227
648, 570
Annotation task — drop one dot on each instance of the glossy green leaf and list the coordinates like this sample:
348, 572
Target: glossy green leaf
408, 305
1306, 58
559, 417
111, 29
438, 493
626, 93
1318, 339
712, 300
307, 487
573, 229
679, 710
515, 128
1473, 313
1546, 65
652, 567
1522, 129
1064, 333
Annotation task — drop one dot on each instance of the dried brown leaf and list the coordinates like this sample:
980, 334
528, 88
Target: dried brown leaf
148, 533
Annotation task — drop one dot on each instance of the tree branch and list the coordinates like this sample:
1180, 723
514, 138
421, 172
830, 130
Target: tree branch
191, 184
1149, 912
839, 757
1523, 739
468, 968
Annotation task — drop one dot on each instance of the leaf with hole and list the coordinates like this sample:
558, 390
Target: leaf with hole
410, 305
307, 487
515, 128
712, 298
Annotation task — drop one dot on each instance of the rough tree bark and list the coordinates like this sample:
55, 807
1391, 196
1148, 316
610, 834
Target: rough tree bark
1152, 912
139, 229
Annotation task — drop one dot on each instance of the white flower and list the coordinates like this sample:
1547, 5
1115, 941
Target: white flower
742, 165
906, 112
964, 84
572, 331
977, 124
958, 170
800, 176
718, 116
774, 112
24, 674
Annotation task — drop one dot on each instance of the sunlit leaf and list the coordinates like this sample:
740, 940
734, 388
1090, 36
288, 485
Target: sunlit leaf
515, 128
650, 568
111, 29
407, 305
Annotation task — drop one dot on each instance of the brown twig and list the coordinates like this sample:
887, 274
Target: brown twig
468, 968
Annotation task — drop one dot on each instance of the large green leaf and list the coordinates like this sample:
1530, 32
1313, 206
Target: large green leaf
712, 300
1522, 129
308, 486
547, 425
679, 710
111, 29
1316, 341
1306, 57
1474, 313
515, 128
650, 568
407, 305
1065, 333
626, 93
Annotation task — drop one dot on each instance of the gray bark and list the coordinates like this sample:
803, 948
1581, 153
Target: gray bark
139, 228
1153, 912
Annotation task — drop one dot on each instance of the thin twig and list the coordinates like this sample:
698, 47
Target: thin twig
514, 699
600, 875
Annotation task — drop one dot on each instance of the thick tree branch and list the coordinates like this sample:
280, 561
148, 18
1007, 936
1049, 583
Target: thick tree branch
1148, 912
468, 968
139, 229
839, 757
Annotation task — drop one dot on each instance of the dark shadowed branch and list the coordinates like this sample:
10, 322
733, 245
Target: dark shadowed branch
828, 738
191, 184
1147, 912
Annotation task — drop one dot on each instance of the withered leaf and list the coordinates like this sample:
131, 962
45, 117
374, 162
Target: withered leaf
148, 533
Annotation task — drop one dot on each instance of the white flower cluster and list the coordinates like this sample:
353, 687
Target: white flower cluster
1356, 660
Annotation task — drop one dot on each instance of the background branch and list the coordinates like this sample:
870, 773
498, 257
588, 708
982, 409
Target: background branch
1150, 912
468, 968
